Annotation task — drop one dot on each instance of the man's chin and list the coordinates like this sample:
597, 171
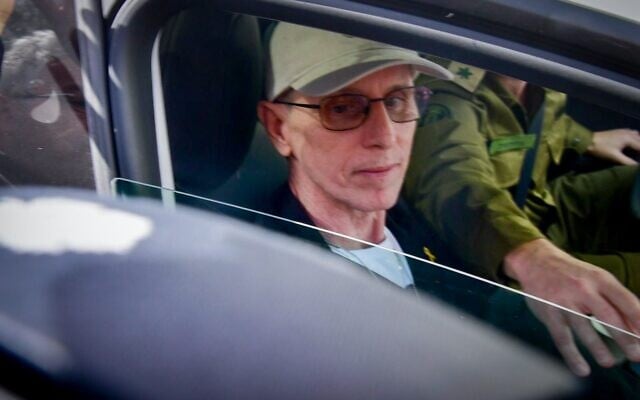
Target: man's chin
374, 202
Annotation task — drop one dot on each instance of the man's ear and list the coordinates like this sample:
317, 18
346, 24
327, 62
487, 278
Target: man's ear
272, 117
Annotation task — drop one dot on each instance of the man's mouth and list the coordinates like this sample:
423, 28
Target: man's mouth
380, 170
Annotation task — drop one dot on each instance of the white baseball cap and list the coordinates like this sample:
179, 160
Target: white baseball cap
318, 62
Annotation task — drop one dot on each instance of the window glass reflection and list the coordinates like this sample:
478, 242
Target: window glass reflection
43, 135
571, 338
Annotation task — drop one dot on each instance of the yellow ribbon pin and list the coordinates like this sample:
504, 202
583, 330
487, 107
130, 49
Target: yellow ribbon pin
428, 253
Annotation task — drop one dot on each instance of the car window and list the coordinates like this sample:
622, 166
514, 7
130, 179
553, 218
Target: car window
468, 296
222, 159
43, 136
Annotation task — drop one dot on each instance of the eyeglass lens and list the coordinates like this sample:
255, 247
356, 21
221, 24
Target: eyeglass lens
348, 111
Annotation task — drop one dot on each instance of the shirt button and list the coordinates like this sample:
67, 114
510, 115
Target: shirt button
576, 141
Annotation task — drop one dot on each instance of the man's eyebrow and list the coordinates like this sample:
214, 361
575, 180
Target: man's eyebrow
351, 90
346, 90
400, 86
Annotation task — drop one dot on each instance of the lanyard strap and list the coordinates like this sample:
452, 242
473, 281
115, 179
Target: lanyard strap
635, 202
530, 158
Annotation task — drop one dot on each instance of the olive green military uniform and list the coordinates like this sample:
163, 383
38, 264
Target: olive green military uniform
468, 154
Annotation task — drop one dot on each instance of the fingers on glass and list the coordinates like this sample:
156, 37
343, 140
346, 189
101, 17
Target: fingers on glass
590, 338
626, 303
608, 313
560, 331
629, 344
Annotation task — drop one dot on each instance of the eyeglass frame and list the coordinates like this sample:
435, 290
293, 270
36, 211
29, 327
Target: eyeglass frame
367, 109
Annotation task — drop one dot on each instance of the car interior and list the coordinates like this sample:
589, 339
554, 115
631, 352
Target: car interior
211, 118
221, 158
217, 148
199, 111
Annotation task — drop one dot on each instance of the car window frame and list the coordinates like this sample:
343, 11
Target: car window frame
137, 23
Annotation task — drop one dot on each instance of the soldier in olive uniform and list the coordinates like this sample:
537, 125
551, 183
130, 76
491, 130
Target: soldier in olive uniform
469, 155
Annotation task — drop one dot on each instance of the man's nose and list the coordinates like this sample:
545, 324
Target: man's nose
379, 128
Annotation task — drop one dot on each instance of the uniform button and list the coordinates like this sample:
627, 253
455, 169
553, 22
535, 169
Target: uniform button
576, 141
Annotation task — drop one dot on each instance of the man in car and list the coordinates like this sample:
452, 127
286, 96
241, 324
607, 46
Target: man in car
344, 118
470, 177
343, 112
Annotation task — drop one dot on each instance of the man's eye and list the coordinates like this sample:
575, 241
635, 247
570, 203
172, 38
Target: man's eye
340, 109
394, 102
345, 108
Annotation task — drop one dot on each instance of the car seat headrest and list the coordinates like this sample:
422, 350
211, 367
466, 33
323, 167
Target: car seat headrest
212, 80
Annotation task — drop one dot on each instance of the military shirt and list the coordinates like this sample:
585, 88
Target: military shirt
469, 151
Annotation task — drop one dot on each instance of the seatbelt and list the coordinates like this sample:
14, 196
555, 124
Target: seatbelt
530, 158
635, 203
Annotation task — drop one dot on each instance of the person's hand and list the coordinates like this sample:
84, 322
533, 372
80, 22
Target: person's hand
563, 325
547, 272
609, 145
6, 9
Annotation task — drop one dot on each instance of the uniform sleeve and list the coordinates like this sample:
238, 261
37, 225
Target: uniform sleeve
576, 136
579, 138
451, 181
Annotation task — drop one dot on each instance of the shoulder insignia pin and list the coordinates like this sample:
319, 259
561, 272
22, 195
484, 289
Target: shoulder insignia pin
464, 73
466, 76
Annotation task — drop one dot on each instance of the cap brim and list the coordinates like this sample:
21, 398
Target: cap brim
343, 77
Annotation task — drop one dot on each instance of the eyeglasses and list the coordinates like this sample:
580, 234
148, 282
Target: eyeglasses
343, 112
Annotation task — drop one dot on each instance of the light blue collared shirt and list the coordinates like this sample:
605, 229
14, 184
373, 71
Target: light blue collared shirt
389, 265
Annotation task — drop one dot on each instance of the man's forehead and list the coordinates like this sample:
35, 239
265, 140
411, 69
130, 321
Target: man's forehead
380, 82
